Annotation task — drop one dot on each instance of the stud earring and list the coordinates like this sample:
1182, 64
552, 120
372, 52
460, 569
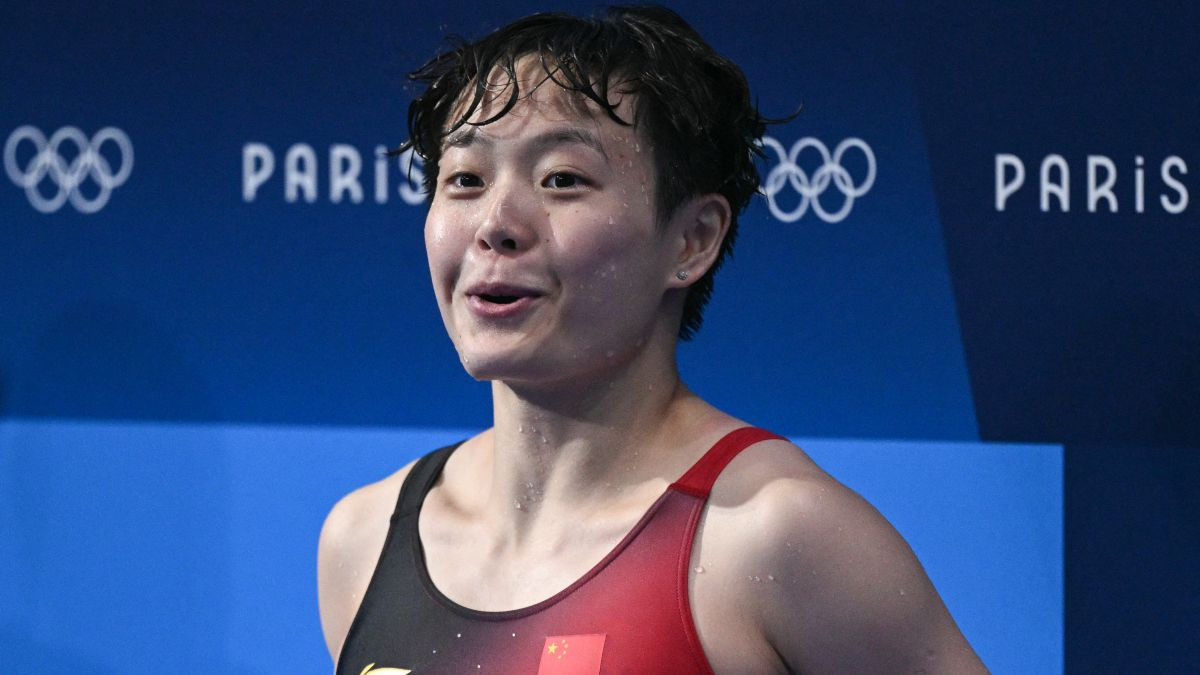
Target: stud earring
682, 275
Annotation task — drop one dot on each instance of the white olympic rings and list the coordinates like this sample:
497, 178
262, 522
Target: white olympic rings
811, 188
67, 177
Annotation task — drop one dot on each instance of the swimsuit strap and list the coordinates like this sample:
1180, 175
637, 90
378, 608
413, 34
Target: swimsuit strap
699, 479
420, 480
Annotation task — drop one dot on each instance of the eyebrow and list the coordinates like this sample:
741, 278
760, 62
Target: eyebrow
469, 136
464, 137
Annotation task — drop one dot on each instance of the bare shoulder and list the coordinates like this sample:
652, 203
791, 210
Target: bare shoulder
351, 540
828, 582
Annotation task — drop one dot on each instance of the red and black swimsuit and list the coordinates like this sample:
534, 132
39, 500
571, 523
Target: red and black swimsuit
629, 614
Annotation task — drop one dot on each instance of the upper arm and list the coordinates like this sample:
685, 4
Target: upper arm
833, 587
351, 541
855, 598
333, 584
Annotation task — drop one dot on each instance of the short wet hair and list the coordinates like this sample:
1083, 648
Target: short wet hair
693, 105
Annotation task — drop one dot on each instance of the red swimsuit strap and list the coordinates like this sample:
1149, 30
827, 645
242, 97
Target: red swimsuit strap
699, 479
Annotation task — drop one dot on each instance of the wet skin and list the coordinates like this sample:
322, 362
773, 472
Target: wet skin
557, 283
547, 259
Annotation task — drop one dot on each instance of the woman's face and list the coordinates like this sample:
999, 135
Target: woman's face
546, 257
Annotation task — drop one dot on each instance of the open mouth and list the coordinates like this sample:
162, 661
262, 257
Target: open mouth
500, 299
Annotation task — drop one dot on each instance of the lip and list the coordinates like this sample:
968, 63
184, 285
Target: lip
479, 299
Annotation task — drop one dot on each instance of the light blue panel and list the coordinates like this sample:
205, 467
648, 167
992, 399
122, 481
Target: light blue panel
117, 548
129, 546
285, 482
986, 520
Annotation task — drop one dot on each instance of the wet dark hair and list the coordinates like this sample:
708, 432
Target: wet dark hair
693, 105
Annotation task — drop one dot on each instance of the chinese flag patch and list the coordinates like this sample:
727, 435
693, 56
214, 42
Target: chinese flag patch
571, 655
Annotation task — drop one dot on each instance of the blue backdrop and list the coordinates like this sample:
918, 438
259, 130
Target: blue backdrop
215, 313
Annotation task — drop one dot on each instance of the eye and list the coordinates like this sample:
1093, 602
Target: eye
465, 180
562, 180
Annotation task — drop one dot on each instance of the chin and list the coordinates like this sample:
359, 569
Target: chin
485, 366
515, 369
476, 366
481, 374
501, 357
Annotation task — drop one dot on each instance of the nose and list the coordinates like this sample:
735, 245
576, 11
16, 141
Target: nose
507, 226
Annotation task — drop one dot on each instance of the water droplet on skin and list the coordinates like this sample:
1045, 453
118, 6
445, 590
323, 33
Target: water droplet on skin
514, 635
902, 591
770, 577
518, 505
699, 569
435, 651
520, 428
757, 579
458, 635
611, 221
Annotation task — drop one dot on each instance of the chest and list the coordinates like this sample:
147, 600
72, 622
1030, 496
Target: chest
475, 566
625, 608
626, 570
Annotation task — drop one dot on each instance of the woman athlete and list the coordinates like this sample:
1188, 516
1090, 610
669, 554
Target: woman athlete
586, 176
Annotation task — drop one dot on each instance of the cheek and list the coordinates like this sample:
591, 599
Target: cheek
440, 250
437, 224
445, 236
435, 238
613, 266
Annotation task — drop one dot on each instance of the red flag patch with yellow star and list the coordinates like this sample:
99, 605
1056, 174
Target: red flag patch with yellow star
572, 655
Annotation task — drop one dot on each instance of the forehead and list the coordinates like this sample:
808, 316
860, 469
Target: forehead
535, 93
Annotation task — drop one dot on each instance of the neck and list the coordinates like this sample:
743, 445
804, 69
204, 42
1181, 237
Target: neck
578, 445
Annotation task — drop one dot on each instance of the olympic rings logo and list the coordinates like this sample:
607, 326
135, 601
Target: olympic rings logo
810, 188
48, 162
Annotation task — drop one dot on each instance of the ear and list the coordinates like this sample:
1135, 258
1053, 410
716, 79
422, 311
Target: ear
700, 224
